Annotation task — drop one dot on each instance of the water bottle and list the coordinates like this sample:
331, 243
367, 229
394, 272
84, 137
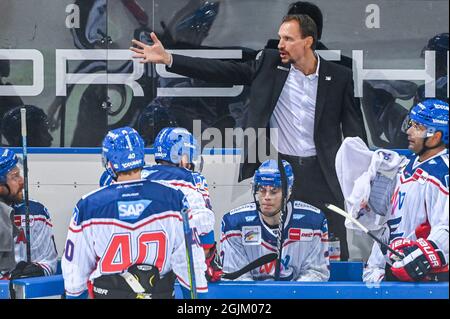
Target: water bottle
334, 248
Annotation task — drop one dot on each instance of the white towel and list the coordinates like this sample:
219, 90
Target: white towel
356, 167
7, 255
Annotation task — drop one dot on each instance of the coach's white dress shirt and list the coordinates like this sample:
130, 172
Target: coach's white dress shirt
293, 116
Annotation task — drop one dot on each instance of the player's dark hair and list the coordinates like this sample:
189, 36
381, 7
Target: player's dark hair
307, 26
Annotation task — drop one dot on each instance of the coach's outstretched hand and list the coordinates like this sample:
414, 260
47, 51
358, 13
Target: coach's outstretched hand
151, 53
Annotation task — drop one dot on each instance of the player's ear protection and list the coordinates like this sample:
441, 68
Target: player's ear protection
108, 167
111, 171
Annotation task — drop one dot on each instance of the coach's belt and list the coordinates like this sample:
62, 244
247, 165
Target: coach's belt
300, 159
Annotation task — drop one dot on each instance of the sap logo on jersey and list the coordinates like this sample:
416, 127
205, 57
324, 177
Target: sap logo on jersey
132, 209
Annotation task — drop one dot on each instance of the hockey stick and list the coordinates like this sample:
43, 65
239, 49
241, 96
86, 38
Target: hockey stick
23, 118
254, 264
362, 227
283, 213
189, 255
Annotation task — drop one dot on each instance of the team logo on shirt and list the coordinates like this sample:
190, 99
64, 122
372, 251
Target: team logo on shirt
420, 176
294, 234
300, 234
132, 209
397, 200
251, 235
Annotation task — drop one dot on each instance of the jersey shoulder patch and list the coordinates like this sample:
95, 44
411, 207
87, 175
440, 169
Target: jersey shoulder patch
244, 215
435, 169
36, 208
168, 173
243, 208
301, 205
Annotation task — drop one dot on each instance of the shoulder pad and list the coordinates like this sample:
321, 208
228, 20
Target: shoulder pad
95, 191
301, 205
243, 208
36, 208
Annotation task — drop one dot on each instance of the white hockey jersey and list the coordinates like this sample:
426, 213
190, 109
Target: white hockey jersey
43, 248
420, 196
129, 223
245, 237
189, 183
192, 184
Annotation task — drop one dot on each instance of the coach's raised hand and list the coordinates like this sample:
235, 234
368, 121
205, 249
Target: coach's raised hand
151, 53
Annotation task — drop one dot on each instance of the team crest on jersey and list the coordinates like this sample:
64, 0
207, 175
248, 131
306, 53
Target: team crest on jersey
132, 209
251, 235
250, 218
397, 200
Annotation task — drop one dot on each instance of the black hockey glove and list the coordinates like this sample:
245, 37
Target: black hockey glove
26, 270
137, 282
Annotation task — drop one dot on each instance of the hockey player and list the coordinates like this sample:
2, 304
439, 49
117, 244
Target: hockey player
127, 239
37, 126
177, 158
43, 249
417, 216
250, 231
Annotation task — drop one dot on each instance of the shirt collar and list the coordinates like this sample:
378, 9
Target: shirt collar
314, 75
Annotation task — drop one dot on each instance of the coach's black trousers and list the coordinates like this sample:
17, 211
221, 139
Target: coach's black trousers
311, 187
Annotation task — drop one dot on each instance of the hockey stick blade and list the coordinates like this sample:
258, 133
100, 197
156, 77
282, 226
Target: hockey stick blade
361, 226
254, 264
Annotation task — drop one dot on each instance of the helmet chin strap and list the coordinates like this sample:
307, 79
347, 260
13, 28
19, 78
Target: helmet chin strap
258, 207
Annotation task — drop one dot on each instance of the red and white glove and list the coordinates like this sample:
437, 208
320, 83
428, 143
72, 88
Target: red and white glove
213, 266
399, 245
421, 258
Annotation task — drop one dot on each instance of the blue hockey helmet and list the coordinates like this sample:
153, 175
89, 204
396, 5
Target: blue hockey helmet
122, 150
432, 114
268, 174
8, 160
172, 143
